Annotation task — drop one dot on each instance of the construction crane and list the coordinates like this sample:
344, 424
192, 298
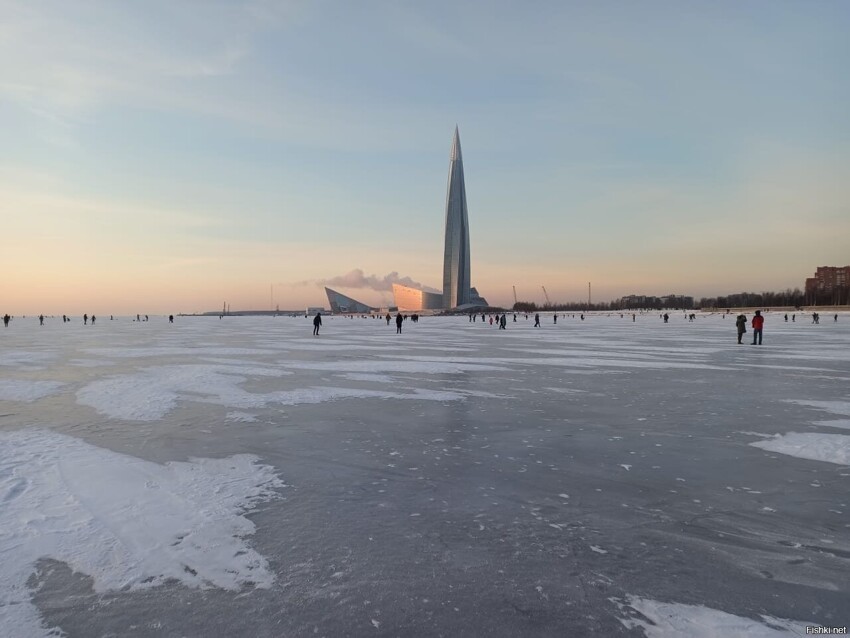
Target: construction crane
515, 301
546, 294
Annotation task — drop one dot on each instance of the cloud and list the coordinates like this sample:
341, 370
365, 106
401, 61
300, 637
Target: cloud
358, 279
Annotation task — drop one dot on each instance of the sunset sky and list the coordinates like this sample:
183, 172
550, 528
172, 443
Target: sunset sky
169, 156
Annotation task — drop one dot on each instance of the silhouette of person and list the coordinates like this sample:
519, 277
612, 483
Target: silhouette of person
6, 319
666, 317
398, 321
537, 320
741, 325
41, 320
85, 319
93, 319
503, 322
758, 326
555, 318
170, 318
317, 322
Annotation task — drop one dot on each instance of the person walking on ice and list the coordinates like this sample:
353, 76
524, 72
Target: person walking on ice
537, 320
398, 321
758, 325
317, 322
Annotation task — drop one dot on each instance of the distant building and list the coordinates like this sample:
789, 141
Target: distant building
456, 272
411, 299
829, 286
342, 304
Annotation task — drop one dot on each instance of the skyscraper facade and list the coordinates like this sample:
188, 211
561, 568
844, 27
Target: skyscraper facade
456, 278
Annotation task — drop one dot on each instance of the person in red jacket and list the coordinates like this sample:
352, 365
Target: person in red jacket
758, 324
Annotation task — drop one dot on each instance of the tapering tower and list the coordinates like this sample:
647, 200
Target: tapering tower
456, 279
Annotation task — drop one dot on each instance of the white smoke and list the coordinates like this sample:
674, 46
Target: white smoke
358, 279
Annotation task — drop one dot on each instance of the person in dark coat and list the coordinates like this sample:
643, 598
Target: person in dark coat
398, 321
537, 320
317, 322
741, 325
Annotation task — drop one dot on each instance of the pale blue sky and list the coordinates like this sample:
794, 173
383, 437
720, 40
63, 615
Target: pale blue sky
173, 155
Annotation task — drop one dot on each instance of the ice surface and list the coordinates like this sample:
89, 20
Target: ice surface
21, 390
597, 477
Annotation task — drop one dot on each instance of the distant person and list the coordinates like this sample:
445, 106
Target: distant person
582, 316
139, 319
64, 318
93, 319
491, 320
537, 320
389, 318
317, 322
793, 318
786, 317
170, 318
41, 320
6, 319
503, 322
398, 321
514, 317
85, 320
758, 326
633, 317
555, 318
146, 317
111, 317
666, 317
741, 325
835, 318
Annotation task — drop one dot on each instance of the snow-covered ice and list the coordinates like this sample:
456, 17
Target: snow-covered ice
126, 522
592, 477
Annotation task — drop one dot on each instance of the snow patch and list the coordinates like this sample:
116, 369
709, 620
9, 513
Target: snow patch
126, 522
830, 448
154, 392
671, 620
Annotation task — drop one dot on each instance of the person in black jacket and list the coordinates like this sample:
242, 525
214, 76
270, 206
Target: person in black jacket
317, 321
741, 325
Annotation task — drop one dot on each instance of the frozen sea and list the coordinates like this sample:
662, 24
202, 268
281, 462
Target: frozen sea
240, 477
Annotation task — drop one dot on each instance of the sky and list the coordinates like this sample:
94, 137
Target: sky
171, 156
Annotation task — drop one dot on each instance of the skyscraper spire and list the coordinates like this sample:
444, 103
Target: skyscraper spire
455, 154
456, 275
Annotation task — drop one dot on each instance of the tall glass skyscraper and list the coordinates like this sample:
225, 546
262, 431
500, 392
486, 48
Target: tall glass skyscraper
456, 280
